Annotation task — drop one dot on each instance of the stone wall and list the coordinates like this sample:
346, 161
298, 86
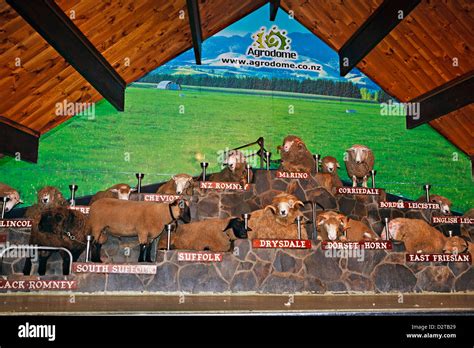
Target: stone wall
269, 270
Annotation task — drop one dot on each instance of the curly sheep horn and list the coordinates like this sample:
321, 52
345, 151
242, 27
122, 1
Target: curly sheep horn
299, 202
271, 207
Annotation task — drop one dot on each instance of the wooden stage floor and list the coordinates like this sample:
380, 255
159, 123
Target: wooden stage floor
21, 304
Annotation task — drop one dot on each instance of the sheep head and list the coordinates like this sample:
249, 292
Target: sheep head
13, 200
359, 153
284, 204
455, 245
123, 191
180, 210
291, 141
49, 196
235, 159
238, 228
329, 164
334, 224
444, 203
182, 183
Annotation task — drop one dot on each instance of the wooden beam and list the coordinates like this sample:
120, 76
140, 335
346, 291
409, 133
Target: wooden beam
49, 20
196, 29
380, 23
274, 6
442, 100
19, 141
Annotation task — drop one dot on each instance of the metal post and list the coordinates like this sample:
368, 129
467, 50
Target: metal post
73, 189
316, 160
249, 168
298, 224
204, 165
168, 230
389, 237
373, 173
139, 176
261, 143
427, 188
5, 199
268, 155
88, 248
450, 233
246, 221
314, 217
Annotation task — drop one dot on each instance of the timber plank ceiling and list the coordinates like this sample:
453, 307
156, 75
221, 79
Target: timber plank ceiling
430, 47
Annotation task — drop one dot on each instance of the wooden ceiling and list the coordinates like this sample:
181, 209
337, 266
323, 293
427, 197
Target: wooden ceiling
146, 33
416, 57
433, 45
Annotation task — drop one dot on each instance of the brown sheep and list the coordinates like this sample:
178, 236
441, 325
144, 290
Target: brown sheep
295, 157
459, 245
357, 231
210, 234
58, 227
145, 220
179, 184
277, 221
467, 230
47, 197
329, 164
444, 203
333, 226
118, 191
13, 197
359, 162
235, 170
417, 235
328, 181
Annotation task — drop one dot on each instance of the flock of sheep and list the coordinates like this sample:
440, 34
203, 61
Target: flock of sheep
113, 213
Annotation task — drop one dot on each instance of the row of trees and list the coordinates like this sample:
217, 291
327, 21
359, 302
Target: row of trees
309, 86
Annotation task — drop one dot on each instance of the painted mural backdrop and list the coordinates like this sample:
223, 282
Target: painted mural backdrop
258, 78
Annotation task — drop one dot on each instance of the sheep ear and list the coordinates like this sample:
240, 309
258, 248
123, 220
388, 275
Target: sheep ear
230, 224
132, 189
270, 207
338, 165
114, 190
173, 177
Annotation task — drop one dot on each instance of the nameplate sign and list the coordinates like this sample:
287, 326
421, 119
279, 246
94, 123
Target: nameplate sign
159, 198
452, 220
3, 238
199, 256
367, 245
80, 267
17, 223
281, 243
228, 186
84, 209
291, 175
359, 191
438, 257
409, 205
37, 285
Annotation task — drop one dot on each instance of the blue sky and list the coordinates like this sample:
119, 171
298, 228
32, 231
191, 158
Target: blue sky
261, 18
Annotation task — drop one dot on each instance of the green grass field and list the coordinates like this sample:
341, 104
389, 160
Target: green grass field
166, 132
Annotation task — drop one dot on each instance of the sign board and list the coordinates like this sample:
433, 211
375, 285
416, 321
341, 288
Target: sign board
80, 267
159, 198
367, 245
409, 205
292, 175
452, 220
281, 243
84, 209
359, 191
37, 285
228, 186
438, 258
196, 256
16, 223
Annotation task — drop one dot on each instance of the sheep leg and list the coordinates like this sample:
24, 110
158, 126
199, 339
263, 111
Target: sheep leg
27, 266
143, 248
66, 261
148, 252
43, 262
364, 181
354, 181
95, 257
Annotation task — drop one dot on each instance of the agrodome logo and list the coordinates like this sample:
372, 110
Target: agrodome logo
273, 43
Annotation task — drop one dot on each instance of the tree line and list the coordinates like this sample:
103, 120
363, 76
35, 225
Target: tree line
308, 86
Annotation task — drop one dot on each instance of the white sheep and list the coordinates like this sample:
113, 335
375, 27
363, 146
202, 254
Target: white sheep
179, 184
359, 162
